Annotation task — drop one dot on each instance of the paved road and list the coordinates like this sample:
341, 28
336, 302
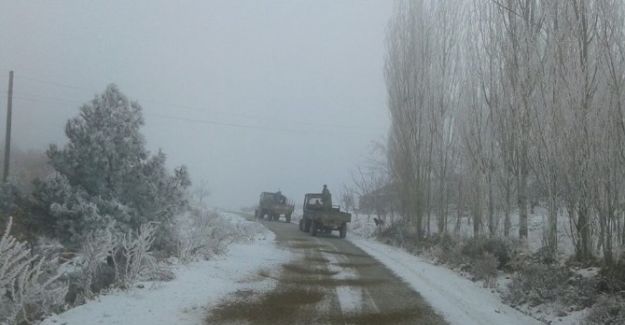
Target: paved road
330, 281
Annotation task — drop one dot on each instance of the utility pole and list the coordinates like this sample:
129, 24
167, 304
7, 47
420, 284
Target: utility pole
7, 139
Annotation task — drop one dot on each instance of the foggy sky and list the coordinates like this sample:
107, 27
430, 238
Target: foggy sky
250, 95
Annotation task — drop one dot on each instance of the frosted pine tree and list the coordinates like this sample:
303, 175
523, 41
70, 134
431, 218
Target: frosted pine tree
105, 173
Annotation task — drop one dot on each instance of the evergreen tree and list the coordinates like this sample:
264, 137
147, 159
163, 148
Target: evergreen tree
105, 174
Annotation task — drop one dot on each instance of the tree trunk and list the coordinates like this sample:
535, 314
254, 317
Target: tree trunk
507, 224
459, 207
491, 205
583, 231
522, 200
552, 236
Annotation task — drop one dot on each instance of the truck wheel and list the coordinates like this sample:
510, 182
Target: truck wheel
307, 226
343, 231
301, 225
313, 230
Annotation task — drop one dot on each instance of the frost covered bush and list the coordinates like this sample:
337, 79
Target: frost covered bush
541, 283
612, 278
109, 258
202, 234
92, 263
28, 283
536, 284
105, 173
133, 258
485, 268
476, 247
394, 234
609, 310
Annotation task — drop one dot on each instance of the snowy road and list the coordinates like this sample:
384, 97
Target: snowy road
329, 281
294, 278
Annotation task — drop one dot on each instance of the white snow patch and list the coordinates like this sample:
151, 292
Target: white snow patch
457, 299
185, 300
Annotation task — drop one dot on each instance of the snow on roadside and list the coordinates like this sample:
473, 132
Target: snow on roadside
457, 299
197, 286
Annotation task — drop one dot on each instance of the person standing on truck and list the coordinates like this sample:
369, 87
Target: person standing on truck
281, 198
326, 197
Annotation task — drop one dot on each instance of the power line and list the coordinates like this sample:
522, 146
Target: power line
203, 110
44, 98
54, 83
178, 118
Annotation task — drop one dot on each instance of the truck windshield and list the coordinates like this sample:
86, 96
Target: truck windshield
314, 201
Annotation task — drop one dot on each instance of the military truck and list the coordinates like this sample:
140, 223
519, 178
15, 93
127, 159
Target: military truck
318, 217
274, 205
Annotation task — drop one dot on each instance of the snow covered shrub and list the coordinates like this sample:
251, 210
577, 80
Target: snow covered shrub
395, 234
28, 283
541, 283
133, 257
476, 247
609, 310
448, 254
536, 284
485, 268
612, 278
47, 247
202, 234
94, 272
109, 257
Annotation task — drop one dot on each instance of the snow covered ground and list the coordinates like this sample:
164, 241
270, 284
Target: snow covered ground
364, 226
196, 288
458, 299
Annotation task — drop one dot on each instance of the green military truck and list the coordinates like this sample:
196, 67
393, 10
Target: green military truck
319, 217
273, 206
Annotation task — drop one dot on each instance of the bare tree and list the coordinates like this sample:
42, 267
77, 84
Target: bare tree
503, 93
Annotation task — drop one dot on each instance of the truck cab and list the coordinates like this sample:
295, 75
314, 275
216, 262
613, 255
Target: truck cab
318, 217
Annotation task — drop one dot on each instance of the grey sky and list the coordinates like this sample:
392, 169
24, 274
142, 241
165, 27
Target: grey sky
250, 95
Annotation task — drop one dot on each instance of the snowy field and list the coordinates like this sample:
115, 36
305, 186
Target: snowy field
197, 287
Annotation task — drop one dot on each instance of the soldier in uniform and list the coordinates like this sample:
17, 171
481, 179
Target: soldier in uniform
326, 197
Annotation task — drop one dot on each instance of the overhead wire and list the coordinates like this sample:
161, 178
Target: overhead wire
43, 98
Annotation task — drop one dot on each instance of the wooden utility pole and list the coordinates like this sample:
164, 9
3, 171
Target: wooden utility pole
7, 139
